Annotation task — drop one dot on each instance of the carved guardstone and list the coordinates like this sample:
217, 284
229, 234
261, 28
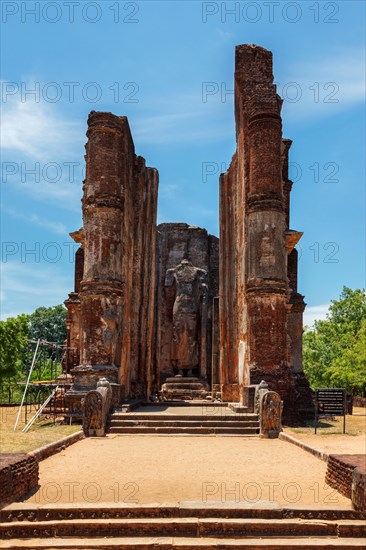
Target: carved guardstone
270, 415
96, 407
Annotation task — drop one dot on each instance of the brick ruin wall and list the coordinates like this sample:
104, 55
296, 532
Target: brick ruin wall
260, 308
112, 306
347, 474
18, 476
119, 300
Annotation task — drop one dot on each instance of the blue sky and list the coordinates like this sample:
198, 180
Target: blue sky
169, 67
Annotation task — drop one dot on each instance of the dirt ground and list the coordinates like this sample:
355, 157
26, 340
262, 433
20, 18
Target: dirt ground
145, 469
43, 432
330, 438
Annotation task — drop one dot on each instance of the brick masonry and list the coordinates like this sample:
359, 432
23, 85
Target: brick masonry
261, 311
18, 475
130, 325
347, 474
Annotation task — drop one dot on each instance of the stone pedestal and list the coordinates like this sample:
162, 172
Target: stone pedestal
184, 387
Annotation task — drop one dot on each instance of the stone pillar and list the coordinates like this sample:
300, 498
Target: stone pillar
228, 302
295, 320
215, 376
287, 184
149, 282
254, 288
138, 371
109, 152
79, 268
73, 308
266, 251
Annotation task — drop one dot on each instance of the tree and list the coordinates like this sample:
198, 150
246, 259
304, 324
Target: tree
48, 323
334, 352
16, 355
349, 370
13, 339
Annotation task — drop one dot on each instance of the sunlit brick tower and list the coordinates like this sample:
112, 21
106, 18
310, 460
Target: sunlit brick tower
115, 297
255, 241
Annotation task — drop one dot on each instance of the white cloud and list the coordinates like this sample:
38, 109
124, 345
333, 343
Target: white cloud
168, 190
186, 117
36, 130
28, 286
40, 149
315, 313
181, 127
55, 227
323, 86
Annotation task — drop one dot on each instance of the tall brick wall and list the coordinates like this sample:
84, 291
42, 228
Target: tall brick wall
260, 308
113, 303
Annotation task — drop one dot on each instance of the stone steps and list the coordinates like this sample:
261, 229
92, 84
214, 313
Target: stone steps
177, 424
183, 527
182, 423
30, 512
183, 430
183, 543
186, 526
186, 418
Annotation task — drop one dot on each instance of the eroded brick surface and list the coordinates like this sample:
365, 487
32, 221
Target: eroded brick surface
260, 308
135, 320
347, 474
18, 475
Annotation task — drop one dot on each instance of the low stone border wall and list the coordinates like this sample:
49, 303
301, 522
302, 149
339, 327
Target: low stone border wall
359, 489
19, 472
18, 475
302, 445
347, 474
57, 446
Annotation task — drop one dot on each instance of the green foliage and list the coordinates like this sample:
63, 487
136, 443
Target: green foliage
16, 355
13, 338
48, 323
335, 351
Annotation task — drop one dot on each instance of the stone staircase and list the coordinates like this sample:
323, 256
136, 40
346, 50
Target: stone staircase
206, 419
185, 526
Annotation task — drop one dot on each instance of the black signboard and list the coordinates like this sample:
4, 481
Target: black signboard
330, 402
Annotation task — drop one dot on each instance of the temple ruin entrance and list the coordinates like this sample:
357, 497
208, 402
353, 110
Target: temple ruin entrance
188, 283
145, 310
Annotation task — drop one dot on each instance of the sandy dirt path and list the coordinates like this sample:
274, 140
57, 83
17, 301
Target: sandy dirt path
145, 468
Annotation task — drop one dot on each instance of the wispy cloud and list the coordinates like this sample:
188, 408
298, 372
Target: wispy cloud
168, 190
37, 142
29, 287
64, 193
180, 127
324, 86
37, 130
55, 227
190, 116
315, 313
